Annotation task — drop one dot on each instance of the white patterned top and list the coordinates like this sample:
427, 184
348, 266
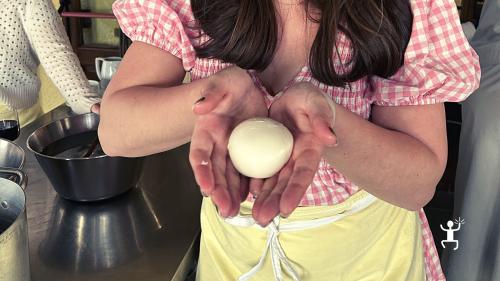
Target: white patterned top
31, 33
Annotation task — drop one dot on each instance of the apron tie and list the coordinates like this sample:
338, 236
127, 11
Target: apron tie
273, 245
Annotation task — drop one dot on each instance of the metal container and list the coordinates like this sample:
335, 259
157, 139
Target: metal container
11, 155
14, 251
116, 233
81, 178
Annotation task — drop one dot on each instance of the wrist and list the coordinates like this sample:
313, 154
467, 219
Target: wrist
314, 91
199, 89
333, 108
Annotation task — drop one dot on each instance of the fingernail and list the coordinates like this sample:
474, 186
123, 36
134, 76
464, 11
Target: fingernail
336, 143
336, 139
200, 100
285, 215
333, 145
222, 216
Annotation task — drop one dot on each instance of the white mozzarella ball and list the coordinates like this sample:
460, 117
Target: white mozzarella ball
260, 147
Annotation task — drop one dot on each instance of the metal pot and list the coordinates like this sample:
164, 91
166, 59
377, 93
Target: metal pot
14, 251
76, 177
11, 155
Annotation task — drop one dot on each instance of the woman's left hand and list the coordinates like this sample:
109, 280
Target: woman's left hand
309, 115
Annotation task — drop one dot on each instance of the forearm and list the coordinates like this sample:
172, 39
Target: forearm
143, 120
391, 165
52, 47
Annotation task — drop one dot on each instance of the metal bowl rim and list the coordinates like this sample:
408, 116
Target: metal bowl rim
60, 158
22, 150
94, 199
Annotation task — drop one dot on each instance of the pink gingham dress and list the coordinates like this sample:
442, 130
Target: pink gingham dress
439, 66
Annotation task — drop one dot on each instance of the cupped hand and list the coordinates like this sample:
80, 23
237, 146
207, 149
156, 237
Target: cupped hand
309, 115
229, 98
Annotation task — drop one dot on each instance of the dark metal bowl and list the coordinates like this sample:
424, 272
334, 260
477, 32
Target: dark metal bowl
82, 178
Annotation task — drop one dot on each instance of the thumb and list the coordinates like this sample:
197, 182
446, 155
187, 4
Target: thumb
323, 131
323, 120
209, 100
96, 108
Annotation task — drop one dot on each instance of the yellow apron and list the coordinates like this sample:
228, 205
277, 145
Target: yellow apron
27, 115
48, 99
361, 239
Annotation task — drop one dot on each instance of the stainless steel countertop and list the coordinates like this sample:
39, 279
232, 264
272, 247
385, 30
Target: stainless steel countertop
147, 234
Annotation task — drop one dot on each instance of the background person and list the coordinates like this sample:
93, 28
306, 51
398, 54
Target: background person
31, 33
477, 183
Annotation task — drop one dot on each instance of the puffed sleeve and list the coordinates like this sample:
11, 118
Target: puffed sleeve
439, 64
161, 23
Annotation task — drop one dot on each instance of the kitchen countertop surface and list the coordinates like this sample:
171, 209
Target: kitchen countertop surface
146, 234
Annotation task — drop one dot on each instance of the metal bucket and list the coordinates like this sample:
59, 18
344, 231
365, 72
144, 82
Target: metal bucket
14, 251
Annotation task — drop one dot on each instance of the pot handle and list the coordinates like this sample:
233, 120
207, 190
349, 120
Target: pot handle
22, 180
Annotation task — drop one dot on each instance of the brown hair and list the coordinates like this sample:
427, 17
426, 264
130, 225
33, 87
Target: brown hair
244, 33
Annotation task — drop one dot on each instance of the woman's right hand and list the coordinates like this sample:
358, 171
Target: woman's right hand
229, 98
96, 108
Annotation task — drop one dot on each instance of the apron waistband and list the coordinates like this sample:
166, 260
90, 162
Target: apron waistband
277, 254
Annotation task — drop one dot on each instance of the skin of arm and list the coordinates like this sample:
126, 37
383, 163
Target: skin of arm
146, 109
411, 136
400, 156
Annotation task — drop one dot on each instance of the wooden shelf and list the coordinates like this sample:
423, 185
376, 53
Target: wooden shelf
87, 15
470, 10
75, 19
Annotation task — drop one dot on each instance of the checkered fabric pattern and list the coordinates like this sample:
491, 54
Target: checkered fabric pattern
439, 66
